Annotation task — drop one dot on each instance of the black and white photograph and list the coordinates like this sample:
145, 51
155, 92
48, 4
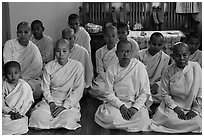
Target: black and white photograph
101, 68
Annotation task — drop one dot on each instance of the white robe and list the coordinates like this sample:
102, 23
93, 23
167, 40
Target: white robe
182, 88
63, 85
104, 58
83, 39
16, 99
45, 45
196, 57
80, 54
129, 86
30, 60
155, 66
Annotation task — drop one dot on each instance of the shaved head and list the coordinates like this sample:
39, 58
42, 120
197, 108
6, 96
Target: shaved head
180, 45
62, 42
67, 31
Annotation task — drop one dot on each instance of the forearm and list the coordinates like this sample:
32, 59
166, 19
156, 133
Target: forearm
140, 101
115, 101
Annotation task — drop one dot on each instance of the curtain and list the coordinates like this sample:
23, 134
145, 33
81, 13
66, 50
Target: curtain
187, 7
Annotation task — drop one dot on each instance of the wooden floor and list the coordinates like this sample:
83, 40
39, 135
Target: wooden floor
89, 127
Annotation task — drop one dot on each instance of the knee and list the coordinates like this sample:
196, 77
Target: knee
38, 115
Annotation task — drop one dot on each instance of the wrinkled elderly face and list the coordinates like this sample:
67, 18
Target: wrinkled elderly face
181, 55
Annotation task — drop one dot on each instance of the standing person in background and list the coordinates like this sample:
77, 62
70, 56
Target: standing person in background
105, 56
80, 54
17, 98
181, 108
42, 41
28, 55
123, 32
63, 86
82, 36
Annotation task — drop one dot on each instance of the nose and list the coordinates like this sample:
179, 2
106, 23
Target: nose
182, 57
61, 53
13, 76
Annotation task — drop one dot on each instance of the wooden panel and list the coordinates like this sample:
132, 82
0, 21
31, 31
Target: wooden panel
100, 13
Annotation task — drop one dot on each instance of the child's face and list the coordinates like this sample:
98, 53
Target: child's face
37, 31
124, 53
181, 56
74, 24
156, 45
62, 53
23, 34
110, 38
13, 74
122, 33
193, 44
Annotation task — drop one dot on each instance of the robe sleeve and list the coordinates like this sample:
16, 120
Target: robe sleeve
197, 102
77, 90
49, 51
87, 42
115, 101
5, 108
7, 52
99, 66
165, 91
144, 89
88, 70
46, 85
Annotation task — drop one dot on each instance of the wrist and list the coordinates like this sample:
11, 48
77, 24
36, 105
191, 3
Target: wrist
10, 112
123, 105
134, 108
51, 104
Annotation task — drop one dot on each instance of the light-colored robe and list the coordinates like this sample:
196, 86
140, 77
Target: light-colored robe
135, 46
104, 58
63, 85
182, 88
83, 39
129, 86
45, 46
80, 54
16, 99
30, 60
155, 66
196, 57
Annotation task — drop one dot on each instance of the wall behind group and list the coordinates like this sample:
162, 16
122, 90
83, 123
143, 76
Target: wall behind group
53, 15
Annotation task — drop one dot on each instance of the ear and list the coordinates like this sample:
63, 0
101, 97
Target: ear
43, 28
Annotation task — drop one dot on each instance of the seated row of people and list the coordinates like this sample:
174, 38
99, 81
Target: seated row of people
127, 100
57, 75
